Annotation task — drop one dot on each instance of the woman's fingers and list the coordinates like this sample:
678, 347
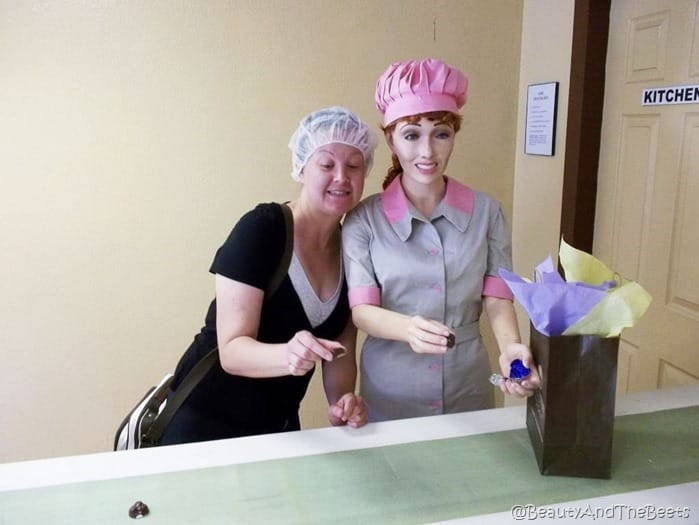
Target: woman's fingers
304, 350
350, 410
427, 336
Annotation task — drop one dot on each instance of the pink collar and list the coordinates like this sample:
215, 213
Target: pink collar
395, 203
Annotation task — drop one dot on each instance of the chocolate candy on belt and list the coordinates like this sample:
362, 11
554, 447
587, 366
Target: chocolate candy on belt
138, 510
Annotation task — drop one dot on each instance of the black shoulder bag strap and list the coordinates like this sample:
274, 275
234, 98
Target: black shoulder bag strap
197, 373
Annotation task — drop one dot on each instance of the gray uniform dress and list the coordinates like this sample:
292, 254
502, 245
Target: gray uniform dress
437, 267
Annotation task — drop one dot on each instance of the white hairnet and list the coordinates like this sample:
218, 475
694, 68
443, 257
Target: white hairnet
327, 126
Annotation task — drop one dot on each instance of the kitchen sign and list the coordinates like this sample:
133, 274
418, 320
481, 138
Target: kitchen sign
670, 95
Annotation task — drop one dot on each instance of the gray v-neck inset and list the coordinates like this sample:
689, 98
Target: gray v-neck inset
316, 310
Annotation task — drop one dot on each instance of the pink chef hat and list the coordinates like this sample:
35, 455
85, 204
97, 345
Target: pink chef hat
419, 86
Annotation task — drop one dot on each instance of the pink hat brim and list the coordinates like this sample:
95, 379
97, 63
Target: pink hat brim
409, 105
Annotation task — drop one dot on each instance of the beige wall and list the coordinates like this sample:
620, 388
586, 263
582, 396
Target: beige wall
539, 180
132, 136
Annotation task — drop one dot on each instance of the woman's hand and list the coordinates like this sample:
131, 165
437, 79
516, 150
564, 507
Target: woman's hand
304, 350
426, 336
529, 384
348, 410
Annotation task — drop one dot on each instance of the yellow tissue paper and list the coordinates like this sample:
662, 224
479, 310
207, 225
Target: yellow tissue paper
621, 307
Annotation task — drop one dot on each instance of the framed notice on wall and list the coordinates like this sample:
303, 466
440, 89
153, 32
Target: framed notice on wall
540, 132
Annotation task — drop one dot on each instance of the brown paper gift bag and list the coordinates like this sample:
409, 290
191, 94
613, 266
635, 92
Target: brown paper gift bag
571, 418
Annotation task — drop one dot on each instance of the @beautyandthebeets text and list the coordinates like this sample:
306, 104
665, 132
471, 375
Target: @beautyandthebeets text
615, 513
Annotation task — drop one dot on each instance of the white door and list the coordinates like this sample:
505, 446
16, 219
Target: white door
647, 224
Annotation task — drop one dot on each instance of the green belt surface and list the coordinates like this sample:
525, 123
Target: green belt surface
397, 484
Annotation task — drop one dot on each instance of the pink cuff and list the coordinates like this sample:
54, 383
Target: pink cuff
364, 295
496, 287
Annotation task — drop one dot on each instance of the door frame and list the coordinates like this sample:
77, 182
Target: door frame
584, 127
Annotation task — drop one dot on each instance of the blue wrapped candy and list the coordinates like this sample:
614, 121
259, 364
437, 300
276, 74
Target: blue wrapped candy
517, 370
517, 373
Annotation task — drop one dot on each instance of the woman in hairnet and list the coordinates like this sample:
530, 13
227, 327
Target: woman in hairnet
422, 261
269, 346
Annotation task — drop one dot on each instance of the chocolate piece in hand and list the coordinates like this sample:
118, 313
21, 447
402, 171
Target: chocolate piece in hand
138, 510
338, 352
451, 340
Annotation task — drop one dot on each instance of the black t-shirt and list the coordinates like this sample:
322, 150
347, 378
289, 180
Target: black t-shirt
251, 254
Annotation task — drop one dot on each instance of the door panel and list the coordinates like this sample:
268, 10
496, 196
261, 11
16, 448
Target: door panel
647, 224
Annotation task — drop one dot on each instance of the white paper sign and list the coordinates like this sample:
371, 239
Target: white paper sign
541, 118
